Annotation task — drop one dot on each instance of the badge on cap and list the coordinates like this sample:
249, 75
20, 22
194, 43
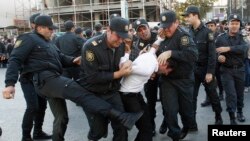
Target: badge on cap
94, 43
138, 22
126, 27
163, 18
18, 43
211, 36
90, 56
235, 16
141, 44
184, 40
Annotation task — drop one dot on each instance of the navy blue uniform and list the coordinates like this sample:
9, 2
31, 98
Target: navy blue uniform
43, 60
206, 63
70, 44
177, 87
233, 70
99, 62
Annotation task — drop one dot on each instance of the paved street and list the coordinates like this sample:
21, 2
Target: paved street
11, 113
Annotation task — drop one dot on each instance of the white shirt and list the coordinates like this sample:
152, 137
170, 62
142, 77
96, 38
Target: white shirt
142, 68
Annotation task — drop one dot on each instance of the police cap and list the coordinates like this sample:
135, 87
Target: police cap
234, 17
68, 25
191, 9
120, 26
140, 22
45, 20
211, 21
114, 15
88, 32
32, 17
167, 18
98, 26
78, 30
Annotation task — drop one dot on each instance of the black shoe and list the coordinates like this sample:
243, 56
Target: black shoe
193, 128
205, 103
163, 128
41, 135
0, 131
176, 139
241, 117
233, 122
27, 138
184, 132
218, 120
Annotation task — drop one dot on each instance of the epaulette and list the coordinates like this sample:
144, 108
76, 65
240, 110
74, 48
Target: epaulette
220, 34
96, 42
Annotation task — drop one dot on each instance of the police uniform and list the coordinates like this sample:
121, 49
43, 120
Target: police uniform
177, 87
151, 87
71, 45
36, 105
44, 61
233, 71
204, 39
99, 62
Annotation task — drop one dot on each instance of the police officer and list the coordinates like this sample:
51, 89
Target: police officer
211, 24
71, 45
205, 65
36, 105
232, 48
178, 53
42, 59
147, 38
79, 35
98, 29
101, 75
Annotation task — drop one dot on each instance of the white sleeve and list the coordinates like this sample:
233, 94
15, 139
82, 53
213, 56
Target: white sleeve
124, 59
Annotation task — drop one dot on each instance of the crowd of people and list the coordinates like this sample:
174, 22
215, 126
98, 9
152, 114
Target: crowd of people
112, 68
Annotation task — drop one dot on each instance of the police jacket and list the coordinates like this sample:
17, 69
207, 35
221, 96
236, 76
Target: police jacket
238, 45
33, 53
70, 44
139, 44
184, 54
98, 65
204, 40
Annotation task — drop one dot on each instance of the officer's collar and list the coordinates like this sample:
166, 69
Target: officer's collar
199, 27
40, 35
151, 39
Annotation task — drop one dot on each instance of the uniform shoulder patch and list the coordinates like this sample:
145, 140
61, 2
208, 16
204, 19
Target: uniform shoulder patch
184, 40
94, 43
90, 56
210, 36
18, 43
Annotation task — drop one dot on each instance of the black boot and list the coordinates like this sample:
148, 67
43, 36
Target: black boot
206, 102
232, 118
218, 119
126, 119
184, 132
241, 117
163, 128
0, 131
39, 134
27, 138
